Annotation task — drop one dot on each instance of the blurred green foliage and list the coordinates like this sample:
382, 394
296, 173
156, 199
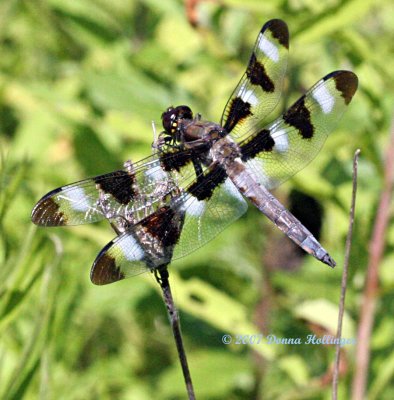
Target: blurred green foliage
80, 82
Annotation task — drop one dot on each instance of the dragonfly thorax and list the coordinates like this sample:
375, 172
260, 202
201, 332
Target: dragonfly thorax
185, 131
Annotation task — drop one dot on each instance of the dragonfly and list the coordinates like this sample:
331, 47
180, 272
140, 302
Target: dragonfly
200, 173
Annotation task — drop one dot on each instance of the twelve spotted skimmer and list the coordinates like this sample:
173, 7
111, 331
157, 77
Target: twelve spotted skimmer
192, 187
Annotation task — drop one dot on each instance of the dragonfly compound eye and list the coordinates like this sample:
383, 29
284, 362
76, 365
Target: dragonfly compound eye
169, 118
184, 112
172, 115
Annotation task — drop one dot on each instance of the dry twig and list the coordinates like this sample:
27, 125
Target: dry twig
376, 249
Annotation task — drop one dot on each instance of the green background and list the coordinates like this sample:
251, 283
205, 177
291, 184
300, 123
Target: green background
80, 83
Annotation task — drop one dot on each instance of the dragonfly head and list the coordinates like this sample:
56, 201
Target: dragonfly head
171, 117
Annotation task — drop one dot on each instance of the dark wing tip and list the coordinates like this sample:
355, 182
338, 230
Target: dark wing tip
279, 31
346, 82
46, 211
104, 269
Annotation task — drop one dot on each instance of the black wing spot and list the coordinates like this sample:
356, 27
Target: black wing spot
46, 212
175, 161
165, 225
346, 82
299, 116
279, 31
262, 141
120, 187
203, 188
258, 76
104, 269
238, 111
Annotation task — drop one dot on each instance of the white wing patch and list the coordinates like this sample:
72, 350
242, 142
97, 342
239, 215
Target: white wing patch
324, 98
194, 207
77, 199
131, 249
257, 169
156, 173
231, 190
248, 96
281, 141
268, 48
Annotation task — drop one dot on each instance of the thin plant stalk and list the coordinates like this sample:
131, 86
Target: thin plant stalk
345, 278
162, 277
